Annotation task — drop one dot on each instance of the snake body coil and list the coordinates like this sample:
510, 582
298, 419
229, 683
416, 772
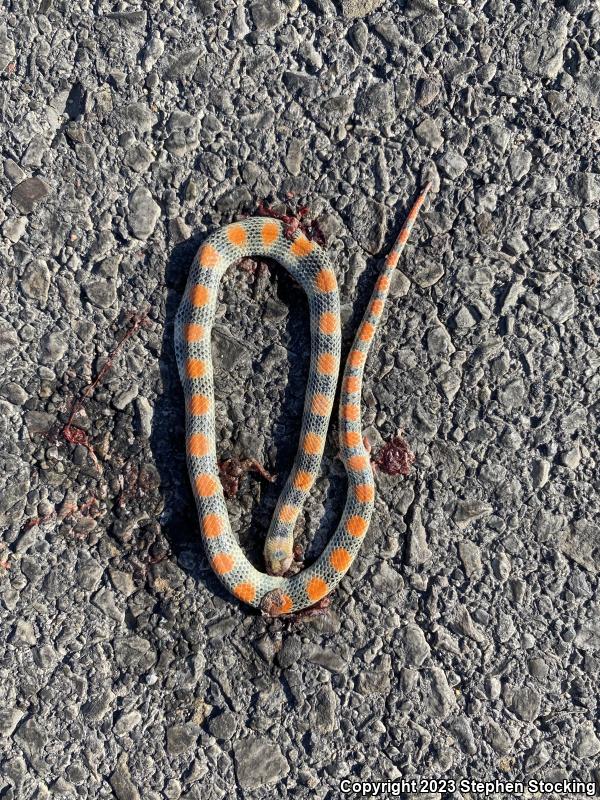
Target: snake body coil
310, 266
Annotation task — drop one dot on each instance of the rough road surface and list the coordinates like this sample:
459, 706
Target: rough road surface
464, 644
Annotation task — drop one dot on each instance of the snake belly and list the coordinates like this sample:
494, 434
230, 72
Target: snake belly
276, 593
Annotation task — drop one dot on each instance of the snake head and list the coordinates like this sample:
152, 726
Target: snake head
278, 562
278, 555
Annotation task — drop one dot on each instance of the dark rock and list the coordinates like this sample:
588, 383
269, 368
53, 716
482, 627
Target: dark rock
143, 213
299, 83
35, 282
415, 646
7, 49
290, 652
437, 694
100, 293
184, 64
133, 652
135, 19
181, 738
428, 134
9, 719
266, 14
122, 784
223, 726
359, 35
26, 194
526, 703
258, 762
374, 102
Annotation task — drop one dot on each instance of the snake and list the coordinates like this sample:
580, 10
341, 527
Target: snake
276, 592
